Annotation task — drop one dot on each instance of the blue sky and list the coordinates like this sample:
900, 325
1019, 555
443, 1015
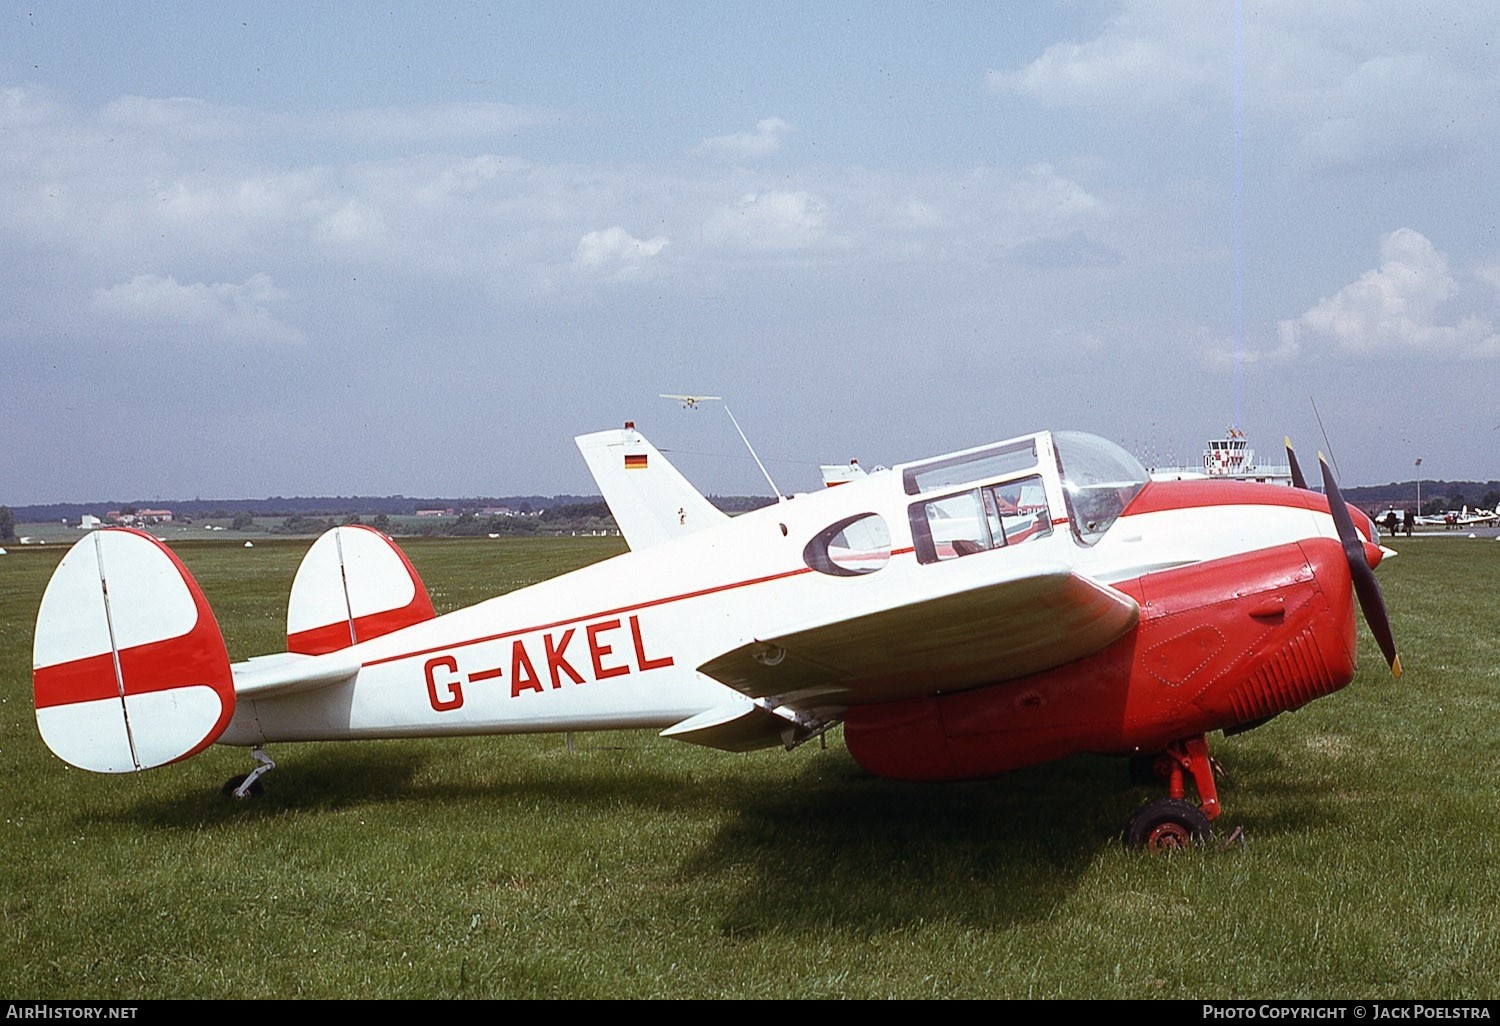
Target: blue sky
332, 249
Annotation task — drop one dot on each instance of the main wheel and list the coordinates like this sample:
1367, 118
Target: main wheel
233, 784
1165, 825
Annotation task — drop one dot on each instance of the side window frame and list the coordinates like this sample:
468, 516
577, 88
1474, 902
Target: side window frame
990, 520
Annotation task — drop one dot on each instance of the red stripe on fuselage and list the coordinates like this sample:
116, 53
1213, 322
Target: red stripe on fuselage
665, 600
1159, 496
592, 616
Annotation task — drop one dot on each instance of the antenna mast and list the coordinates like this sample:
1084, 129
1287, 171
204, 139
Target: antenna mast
690, 402
1326, 442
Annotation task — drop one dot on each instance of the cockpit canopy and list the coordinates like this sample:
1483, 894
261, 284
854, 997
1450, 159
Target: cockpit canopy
1099, 479
1001, 495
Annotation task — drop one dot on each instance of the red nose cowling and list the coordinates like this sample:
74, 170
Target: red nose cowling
1222, 645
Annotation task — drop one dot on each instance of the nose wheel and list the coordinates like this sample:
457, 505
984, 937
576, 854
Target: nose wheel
1167, 825
1174, 823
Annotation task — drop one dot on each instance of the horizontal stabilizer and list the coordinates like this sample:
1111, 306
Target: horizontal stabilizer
286, 672
650, 501
354, 584
128, 666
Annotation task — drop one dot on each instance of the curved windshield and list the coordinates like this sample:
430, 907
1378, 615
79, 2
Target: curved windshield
1099, 479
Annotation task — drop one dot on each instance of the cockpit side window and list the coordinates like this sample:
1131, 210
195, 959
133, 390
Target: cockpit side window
854, 546
980, 520
1022, 506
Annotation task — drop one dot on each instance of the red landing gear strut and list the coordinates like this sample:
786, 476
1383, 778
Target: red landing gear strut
1174, 823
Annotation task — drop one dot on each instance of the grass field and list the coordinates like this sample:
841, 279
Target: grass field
637, 867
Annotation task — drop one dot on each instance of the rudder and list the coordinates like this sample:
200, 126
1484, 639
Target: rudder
354, 584
129, 669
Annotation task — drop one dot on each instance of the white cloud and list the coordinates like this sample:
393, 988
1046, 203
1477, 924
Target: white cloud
1395, 308
176, 114
352, 222
769, 221
21, 106
1222, 354
742, 146
1347, 85
1489, 274
616, 254
220, 312
1044, 200
1146, 55
135, 183
432, 122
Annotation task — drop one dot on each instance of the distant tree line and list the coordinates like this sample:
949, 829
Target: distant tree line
1437, 496
311, 506
531, 514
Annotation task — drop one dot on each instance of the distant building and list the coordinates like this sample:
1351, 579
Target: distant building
140, 516
88, 522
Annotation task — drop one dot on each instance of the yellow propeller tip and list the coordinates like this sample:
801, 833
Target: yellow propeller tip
1396, 667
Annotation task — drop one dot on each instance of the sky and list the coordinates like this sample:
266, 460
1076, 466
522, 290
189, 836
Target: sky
258, 249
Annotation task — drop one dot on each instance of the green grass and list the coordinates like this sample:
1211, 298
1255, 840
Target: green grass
639, 867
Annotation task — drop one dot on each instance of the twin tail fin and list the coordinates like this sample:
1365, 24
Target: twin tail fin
130, 670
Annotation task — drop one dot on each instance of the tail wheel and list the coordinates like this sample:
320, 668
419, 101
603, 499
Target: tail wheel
233, 784
1167, 825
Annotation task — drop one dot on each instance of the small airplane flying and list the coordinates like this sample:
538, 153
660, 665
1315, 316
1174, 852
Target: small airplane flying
690, 402
962, 616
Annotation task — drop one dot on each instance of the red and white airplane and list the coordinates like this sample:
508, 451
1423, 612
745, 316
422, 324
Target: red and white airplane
962, 616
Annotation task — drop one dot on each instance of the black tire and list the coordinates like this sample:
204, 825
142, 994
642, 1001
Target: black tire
1167, 825
233, 783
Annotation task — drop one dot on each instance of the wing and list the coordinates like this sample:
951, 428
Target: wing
963, 639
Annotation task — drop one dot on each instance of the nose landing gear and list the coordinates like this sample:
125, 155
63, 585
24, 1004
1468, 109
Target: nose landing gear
1174, 823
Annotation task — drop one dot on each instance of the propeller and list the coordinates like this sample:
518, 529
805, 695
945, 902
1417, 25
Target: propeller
1365, 585
1291, 458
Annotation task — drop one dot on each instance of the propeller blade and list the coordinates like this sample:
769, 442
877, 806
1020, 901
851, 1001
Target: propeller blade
1365, 586
1298, 480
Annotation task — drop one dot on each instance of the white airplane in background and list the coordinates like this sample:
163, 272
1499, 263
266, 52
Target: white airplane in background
962, 616
1455, 518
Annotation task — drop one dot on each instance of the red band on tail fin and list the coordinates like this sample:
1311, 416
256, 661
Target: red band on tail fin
354, 584
129, 667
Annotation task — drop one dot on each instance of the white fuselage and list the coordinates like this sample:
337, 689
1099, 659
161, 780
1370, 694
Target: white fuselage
617, 644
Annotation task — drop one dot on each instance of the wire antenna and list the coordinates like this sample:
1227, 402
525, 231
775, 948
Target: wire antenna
690, 402
1326, 443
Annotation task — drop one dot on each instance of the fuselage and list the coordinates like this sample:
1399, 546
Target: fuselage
619, 644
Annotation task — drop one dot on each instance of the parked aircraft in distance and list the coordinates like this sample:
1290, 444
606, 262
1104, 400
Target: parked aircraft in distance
1456, 518
961, 616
